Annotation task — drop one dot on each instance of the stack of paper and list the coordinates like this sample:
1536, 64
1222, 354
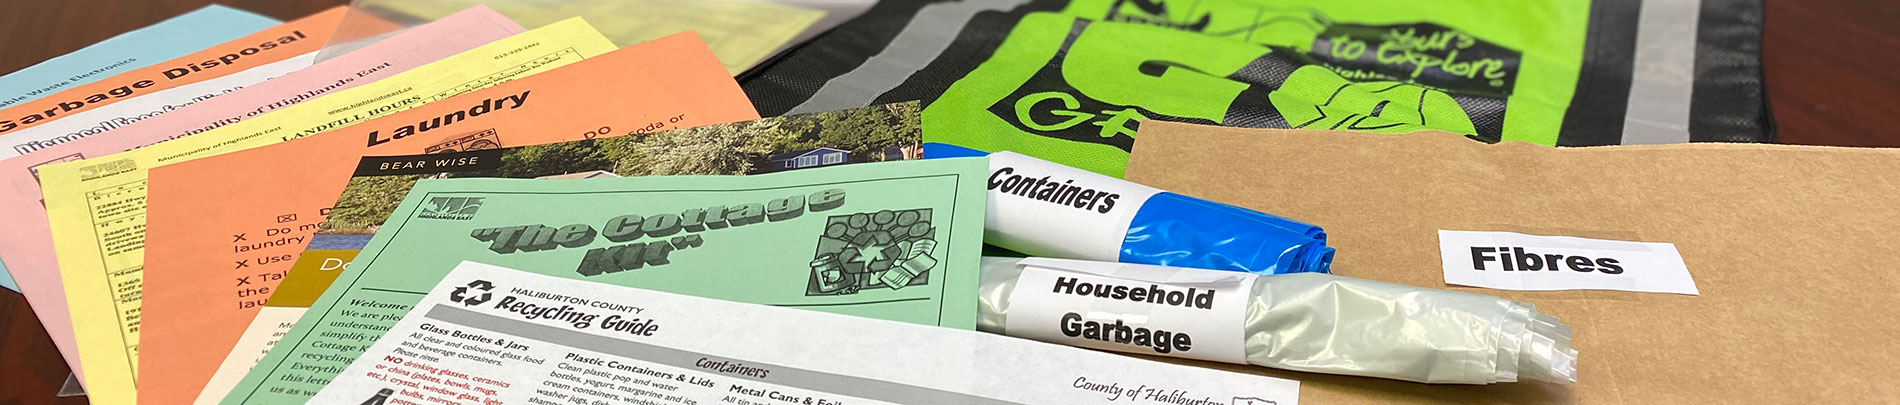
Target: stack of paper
190, 274
27, 256
132, 50
202, 258
495, 201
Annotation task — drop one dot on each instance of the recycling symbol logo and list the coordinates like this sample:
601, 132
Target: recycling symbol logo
467, 294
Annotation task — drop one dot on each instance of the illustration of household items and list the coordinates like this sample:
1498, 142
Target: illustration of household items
884, 249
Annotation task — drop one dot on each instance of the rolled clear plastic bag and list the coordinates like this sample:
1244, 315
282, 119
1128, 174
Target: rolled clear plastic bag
1309, 322
1042, 208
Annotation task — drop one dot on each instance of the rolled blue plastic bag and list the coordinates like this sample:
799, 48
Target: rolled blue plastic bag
1041, 208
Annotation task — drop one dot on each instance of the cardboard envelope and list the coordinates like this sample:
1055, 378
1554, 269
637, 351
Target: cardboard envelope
1791, 248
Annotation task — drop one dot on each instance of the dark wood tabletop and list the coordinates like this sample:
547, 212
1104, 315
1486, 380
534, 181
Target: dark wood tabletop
1830, 65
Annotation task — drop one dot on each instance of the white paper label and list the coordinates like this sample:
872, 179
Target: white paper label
124, 113
535, 339
1042, 208
1196, 314
1515, 261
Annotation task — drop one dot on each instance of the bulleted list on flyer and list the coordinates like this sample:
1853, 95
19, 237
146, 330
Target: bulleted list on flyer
493, 335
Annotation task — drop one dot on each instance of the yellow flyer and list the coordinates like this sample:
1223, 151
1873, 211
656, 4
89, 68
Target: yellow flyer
740, 33
96, 207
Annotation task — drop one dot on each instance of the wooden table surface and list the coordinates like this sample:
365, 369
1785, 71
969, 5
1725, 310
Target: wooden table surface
1833, 71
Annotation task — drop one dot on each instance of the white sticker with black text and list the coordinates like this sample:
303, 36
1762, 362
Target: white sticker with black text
1515, 261
1042, 208
1132, 308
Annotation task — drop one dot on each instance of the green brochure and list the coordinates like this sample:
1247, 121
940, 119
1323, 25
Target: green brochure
877, 133
877, 240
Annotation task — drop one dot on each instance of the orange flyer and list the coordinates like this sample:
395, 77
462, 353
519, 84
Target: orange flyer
222, 231
305, 35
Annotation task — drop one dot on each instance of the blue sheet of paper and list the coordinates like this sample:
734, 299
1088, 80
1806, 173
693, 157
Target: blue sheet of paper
172, 38
175, 37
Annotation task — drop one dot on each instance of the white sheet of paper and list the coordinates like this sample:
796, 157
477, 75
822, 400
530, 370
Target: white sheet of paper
113, 116
1515, 261
489, 334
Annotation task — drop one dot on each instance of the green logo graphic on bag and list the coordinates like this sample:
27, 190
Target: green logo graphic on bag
1074, 92
1422, 53
1070, 91
1314, 98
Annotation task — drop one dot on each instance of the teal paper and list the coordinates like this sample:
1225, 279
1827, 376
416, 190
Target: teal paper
178, 36
893, 240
